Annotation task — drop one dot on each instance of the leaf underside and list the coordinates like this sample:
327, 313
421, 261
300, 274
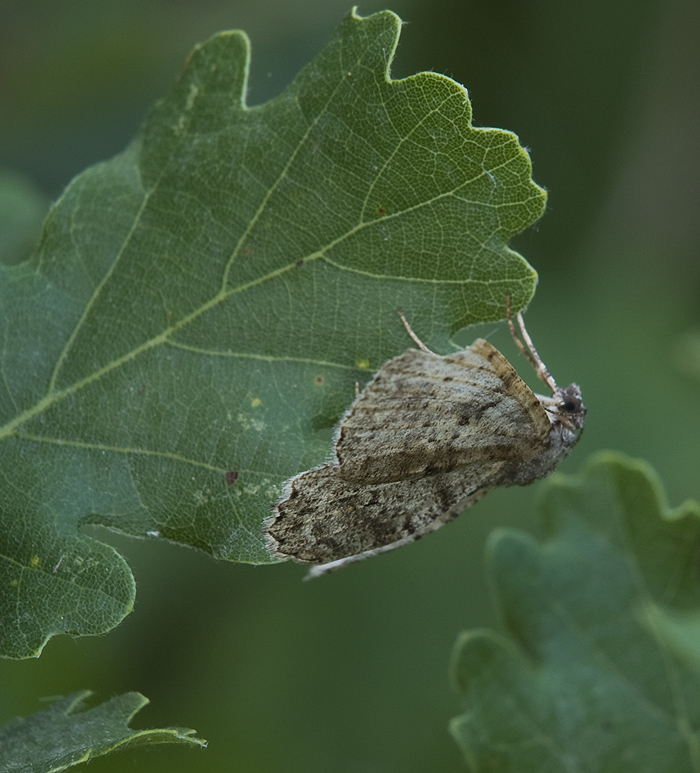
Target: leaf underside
584, 683
201, 306
67, 733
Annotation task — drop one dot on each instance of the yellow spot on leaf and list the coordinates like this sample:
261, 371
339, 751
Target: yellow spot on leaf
362, 364
255, 402
34, 561
14, 583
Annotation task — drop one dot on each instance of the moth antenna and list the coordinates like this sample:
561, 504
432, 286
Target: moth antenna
530, 352
409, 330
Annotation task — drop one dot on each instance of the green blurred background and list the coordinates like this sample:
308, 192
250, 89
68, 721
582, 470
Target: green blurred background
349, 673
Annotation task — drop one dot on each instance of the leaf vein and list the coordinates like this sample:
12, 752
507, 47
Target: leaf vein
125, 451
261, 357
282, 175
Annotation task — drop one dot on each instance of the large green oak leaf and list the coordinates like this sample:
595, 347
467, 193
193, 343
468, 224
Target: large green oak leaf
586, 682
201, 306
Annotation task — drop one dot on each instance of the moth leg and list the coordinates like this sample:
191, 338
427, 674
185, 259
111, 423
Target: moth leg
331, 566
514, 335
547, 401
409, 330
530, 352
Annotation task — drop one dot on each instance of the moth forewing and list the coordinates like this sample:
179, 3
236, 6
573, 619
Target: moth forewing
423, 414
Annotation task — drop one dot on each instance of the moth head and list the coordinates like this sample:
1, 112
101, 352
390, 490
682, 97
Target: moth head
569, 406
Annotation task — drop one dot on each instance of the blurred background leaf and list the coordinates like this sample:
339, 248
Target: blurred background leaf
687, 353
68, 732
680, 631
581, 683
350, 673
22, 210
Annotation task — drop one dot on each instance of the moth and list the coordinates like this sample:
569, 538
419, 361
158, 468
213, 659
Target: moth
428, 437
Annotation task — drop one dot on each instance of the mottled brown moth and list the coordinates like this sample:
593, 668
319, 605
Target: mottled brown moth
426, 439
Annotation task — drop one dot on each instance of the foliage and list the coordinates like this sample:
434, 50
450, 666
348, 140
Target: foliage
22, 210
585, 684
196, 317
67, 733
202, 304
